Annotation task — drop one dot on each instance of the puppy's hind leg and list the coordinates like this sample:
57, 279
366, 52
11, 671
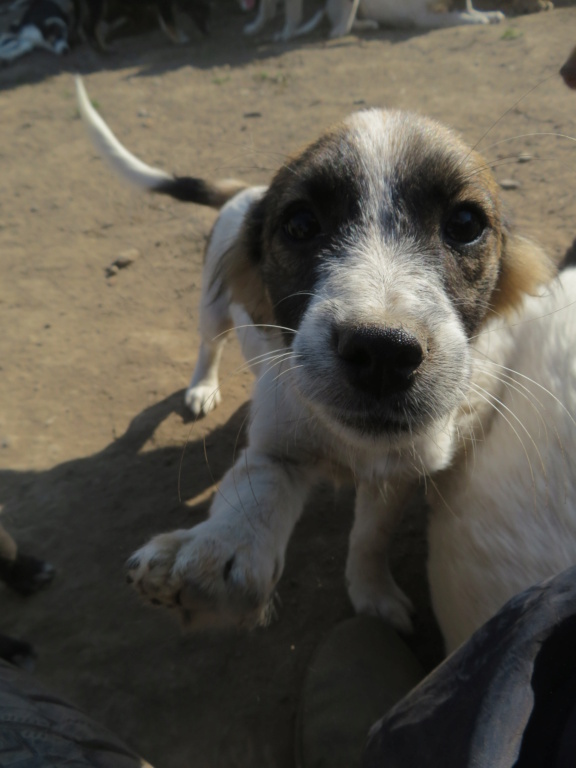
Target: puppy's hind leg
203, 393
371, 586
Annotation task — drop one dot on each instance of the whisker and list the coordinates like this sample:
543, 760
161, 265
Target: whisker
490, 401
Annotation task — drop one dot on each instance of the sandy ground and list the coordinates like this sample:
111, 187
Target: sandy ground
96, 450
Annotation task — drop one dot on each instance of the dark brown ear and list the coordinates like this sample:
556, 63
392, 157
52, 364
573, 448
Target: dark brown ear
524, 269
240, 268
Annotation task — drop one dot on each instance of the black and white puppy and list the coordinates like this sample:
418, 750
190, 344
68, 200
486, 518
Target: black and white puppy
402, 334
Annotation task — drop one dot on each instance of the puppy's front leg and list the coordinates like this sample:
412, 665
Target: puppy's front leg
371, 586
222, 573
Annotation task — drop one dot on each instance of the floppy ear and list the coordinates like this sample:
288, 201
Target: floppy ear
240, 268
524, 268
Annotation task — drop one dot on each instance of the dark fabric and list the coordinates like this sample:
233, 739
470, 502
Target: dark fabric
40, 730
505, 684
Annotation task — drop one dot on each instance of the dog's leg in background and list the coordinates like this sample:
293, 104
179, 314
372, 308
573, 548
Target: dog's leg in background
371, 586
428, 20
203, 393
292, 20
217, 317
266, 12
167, 21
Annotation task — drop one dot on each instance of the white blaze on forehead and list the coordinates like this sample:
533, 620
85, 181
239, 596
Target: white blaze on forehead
384, 137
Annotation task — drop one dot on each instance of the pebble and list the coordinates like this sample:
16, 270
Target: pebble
122, 261
126, 258
524, 158
510, 184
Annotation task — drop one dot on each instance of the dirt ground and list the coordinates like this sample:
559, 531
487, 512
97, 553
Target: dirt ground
97, 452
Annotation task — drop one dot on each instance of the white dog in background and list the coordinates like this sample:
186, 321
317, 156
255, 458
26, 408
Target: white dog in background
404, 334
342, 16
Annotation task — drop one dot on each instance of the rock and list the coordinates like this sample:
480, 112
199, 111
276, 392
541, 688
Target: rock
509, 184
524, 158
126, 258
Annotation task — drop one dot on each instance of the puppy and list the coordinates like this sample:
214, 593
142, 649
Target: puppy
342, 16
404, 334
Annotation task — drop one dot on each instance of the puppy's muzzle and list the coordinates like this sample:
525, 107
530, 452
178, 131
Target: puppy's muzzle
378, 361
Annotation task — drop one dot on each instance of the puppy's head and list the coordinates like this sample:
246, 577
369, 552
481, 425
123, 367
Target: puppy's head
381, 250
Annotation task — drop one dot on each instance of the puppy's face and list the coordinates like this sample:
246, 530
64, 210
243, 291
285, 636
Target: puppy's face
380, 251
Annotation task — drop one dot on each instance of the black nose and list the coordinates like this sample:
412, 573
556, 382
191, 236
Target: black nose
380, 361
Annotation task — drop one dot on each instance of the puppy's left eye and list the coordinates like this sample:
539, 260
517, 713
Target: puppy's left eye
302, 225
464, 226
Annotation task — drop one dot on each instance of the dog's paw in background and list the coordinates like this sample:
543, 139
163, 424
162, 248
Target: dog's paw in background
212, 575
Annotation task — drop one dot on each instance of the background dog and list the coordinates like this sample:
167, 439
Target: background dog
342, 16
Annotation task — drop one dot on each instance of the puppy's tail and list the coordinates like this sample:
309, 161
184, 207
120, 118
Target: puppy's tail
184, 188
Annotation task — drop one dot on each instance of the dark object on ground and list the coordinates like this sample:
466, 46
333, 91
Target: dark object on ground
26, 574
40, 730
17, 652
505, 699
568, 71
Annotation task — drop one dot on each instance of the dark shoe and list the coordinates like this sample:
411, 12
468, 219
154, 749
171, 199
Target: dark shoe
39, 729
360, 671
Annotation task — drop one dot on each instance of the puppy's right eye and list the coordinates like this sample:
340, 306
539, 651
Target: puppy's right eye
301, 225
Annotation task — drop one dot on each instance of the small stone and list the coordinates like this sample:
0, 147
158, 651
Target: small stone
111, 270
143, 113
510, 184
126, 258
524, 158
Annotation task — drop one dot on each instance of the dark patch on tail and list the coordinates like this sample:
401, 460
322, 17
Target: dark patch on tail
189, 189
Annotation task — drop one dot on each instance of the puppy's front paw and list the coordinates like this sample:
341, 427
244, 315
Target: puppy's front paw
212, 576
389, 603
202, 398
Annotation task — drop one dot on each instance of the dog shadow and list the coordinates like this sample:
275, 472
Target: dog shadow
130, 666
105, 488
